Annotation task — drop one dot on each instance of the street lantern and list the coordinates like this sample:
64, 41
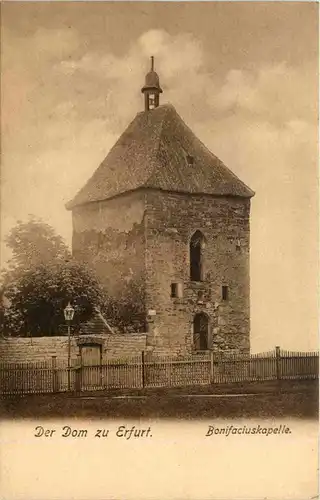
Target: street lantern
68, 312
68, 316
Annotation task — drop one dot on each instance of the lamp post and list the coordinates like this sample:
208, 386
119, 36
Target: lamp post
68, 316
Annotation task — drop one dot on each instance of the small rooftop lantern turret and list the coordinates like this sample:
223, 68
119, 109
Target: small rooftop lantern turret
151, 89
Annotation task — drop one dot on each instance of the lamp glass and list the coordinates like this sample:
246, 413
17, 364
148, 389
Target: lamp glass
68, 312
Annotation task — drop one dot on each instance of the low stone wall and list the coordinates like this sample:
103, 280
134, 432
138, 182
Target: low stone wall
18, 350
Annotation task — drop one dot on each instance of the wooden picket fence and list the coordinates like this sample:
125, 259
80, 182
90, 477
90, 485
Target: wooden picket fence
147, 370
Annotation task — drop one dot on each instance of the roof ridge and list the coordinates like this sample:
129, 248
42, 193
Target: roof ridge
168, 108
217, 158
100, 315
228, 169
71, 203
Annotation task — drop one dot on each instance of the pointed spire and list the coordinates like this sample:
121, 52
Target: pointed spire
151, 88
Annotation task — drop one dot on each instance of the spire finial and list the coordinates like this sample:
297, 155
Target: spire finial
151, 88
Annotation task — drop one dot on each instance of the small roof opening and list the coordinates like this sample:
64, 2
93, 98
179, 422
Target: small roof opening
190, 160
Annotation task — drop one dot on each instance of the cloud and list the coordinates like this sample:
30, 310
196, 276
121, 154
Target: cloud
180, 59
55, 43
274, 93
26, 69
181, 53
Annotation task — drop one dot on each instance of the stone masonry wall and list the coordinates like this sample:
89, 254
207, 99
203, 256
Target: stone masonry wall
139, 244
171, 220
43, 348
109, 235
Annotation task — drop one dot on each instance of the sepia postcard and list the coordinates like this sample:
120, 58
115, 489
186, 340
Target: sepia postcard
159, 250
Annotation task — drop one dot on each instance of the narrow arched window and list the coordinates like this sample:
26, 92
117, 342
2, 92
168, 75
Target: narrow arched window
196, 257
200, 332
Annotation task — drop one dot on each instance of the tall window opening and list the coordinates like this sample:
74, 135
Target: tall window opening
176, 290
200, 332
225, 292
196, 256
152, 101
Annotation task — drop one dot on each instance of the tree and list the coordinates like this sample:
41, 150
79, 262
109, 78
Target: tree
41, 280
126, 309
35, 242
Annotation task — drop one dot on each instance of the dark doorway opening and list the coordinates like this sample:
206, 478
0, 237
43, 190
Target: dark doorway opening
200, 332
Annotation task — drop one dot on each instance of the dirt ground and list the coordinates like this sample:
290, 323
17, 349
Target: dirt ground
298, 399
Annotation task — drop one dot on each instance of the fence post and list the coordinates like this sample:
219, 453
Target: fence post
143, 369
211, 367
278, 360
54, 374
78, 371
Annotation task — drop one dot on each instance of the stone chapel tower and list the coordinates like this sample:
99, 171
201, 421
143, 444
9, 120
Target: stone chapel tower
166, 226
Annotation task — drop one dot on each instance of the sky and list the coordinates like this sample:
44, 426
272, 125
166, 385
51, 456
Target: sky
244, 77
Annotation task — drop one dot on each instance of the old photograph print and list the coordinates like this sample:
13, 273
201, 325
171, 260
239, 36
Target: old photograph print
159, 250
159, 210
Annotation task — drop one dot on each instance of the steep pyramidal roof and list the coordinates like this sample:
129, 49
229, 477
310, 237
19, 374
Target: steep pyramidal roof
158, 150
